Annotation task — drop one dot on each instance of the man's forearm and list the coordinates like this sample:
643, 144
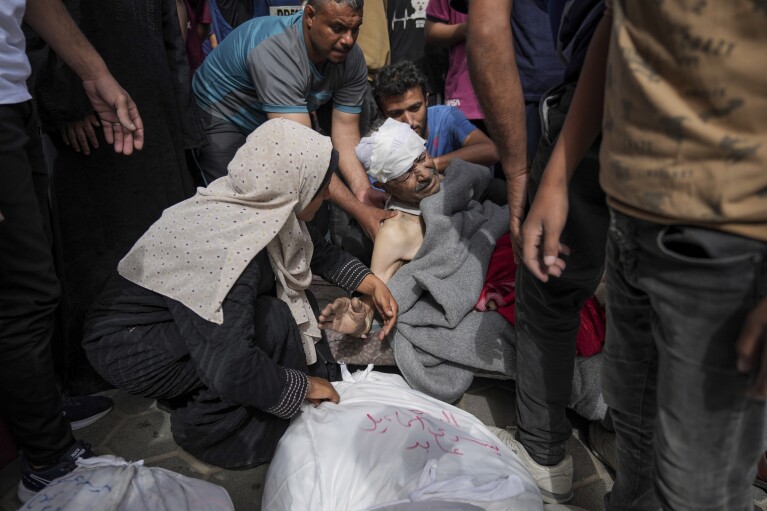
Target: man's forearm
481, 154
350, 167
353, 173
495, 78
343, 198
345, 135
51, 20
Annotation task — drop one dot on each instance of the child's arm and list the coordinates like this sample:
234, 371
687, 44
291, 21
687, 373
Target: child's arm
546, 220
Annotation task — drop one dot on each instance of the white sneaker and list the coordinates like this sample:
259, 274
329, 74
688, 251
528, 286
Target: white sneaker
555, 483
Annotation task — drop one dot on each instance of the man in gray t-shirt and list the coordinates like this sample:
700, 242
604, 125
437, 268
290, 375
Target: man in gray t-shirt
288, 67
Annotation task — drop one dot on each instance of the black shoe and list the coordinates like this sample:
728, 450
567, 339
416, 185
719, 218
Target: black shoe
35, 479
83, 411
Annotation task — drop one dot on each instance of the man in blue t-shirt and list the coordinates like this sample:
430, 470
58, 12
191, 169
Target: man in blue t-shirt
288, 66
400, 92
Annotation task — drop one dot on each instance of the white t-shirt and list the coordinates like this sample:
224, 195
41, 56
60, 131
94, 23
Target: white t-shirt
14, 65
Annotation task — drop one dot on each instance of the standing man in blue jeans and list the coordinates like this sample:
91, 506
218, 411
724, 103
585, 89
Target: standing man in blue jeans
30, 403
683, 165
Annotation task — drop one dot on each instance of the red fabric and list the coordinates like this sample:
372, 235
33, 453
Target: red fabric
761, 472
198, 13
499, 287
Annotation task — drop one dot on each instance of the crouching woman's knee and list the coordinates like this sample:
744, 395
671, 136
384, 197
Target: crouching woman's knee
128, 362
277, 333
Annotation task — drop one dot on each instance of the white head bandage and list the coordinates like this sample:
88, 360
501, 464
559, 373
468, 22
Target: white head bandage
390, 152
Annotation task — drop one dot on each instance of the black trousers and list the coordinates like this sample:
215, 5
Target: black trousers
548, 314
223, 140
154, 361
30, 403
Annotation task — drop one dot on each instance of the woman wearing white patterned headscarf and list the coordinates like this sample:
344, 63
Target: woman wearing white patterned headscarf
210, 312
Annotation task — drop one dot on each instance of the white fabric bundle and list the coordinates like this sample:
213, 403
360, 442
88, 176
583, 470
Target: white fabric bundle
386, 447
390, 152
109, 483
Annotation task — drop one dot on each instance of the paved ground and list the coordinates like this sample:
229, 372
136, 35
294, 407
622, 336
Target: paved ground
136, 429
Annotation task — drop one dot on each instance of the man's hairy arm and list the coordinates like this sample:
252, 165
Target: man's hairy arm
548, 214
119, 116
368, 217
345, 133
363, 202
477, 148
495, 78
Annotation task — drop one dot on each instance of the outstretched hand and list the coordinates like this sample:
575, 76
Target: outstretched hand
752, 350
353, 316
118, 113
349, 316
376, 292
371, 220
386, 306
320, 390
541, 250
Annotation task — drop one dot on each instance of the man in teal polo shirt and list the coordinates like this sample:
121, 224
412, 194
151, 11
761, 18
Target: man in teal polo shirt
288, 67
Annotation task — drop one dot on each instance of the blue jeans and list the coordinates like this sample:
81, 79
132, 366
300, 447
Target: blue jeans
687, 436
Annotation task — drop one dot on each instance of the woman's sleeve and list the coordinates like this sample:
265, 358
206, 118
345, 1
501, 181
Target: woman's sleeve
228, 357
334, 265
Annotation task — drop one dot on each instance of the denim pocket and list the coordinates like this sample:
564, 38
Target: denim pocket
695, 245
553, 108
623, 233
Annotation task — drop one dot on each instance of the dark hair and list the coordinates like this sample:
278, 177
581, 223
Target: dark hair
375, 125
397, 79
354, 4
332, 168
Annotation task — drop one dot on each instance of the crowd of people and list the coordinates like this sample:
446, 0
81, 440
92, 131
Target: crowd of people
620, 144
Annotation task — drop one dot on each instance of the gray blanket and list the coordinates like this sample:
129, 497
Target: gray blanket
440, 341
